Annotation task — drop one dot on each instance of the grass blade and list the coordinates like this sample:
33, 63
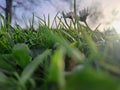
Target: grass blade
57, 68
29, 70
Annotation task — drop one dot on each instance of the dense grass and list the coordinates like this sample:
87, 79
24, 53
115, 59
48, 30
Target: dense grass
64, 58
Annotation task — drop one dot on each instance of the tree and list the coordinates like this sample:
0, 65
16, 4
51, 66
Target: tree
8, 9
11, 5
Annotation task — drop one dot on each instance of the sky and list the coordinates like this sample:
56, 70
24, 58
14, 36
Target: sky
108, 11
104, 12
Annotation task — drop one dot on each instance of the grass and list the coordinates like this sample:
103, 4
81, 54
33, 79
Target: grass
38, 59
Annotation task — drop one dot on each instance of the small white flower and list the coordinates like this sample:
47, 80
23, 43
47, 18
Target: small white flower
69, 15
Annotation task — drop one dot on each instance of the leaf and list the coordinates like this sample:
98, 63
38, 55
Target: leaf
3, 78
89, 79
30, 68
7, 83
56, 74
21, 54
6, 62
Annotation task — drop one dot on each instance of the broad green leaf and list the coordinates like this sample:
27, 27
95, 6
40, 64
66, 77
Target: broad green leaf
21, 54
89, 79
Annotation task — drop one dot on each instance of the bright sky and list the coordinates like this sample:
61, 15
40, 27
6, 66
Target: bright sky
108, 11
111, 9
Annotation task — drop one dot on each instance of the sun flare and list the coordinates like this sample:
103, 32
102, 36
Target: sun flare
116, 25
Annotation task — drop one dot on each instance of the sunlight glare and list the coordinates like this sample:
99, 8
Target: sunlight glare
116, 25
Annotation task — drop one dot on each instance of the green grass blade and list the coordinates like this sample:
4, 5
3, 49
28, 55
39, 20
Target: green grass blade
30, 68
56, 74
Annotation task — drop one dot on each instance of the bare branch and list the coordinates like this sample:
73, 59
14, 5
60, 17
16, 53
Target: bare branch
2, 8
